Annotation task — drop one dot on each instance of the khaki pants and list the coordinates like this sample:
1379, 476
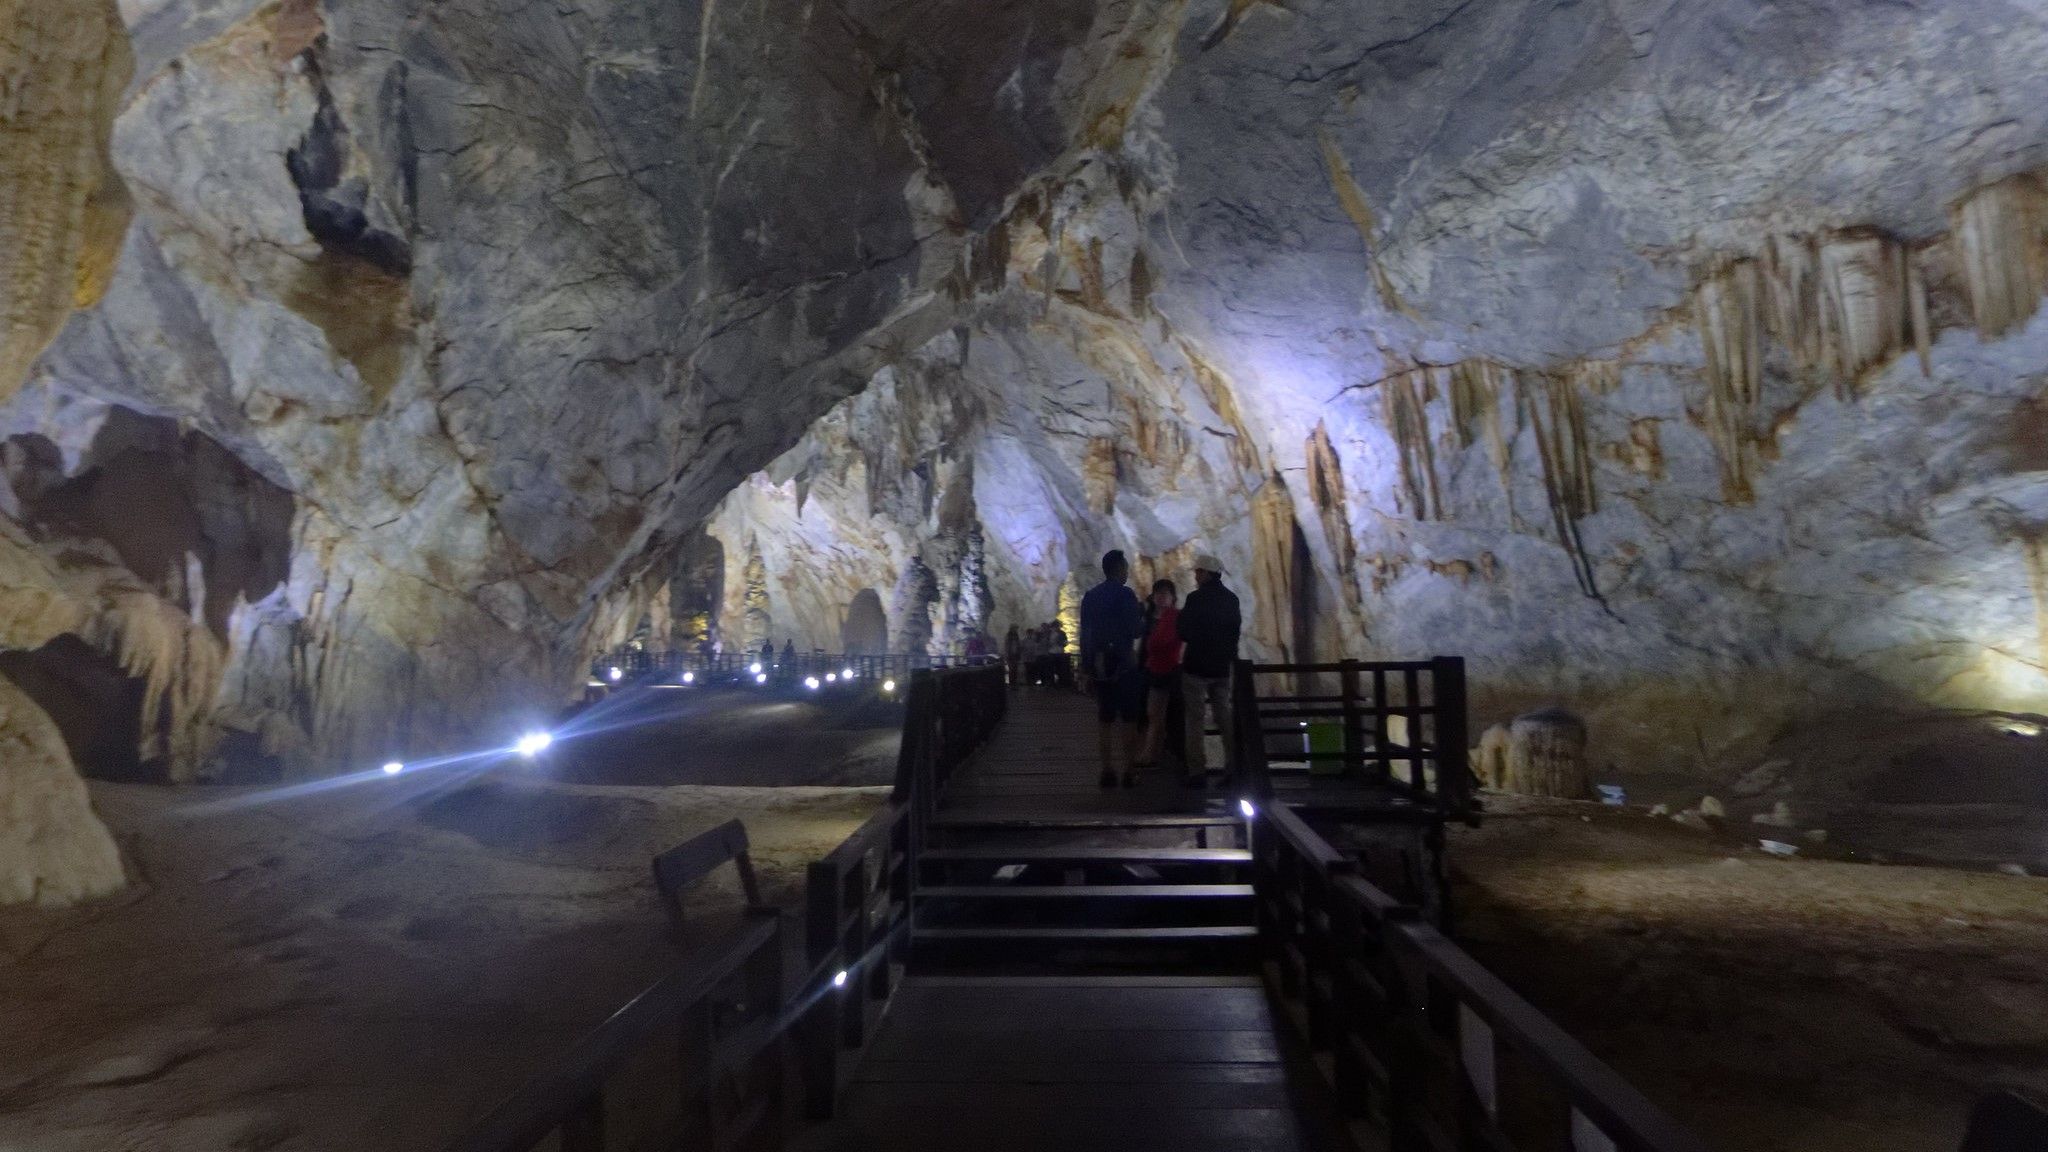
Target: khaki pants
1199, 695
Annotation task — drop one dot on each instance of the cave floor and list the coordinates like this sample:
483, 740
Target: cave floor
367, 967
1809, 1005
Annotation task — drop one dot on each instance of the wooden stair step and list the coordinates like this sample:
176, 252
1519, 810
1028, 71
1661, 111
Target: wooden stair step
1054, 821
1086, 891
1084, 855
1173, 933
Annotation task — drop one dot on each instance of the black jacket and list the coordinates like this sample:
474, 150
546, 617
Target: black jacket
1209, 624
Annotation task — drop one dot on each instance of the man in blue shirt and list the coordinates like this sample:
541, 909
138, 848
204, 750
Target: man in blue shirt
1111, 620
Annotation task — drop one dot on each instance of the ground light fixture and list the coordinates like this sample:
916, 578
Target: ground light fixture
831, 677
888, 685
533, 744
811, 682
760, 677
1249, 809
848, 674
839, 978
393, 768
616, 674
689, 677
755, 667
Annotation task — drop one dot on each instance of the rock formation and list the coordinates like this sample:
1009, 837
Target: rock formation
1678, 362
1542, 753
53, 850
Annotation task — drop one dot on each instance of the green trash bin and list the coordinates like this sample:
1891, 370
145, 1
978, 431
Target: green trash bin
1326, 744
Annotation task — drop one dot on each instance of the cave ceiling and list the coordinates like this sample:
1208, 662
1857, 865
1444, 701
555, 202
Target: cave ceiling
1678, 361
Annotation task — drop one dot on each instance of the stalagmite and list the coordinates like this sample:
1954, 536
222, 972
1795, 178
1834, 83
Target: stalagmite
916, 591
1540, 754
754, 600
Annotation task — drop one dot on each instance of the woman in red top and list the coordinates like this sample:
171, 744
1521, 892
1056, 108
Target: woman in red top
1162, 664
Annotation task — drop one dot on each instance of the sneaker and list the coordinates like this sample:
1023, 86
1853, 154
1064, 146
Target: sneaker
1108, 779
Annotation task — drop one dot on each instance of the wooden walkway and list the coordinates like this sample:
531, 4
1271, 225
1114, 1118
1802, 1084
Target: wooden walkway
1172, 1057
1043, 759
1081, 1064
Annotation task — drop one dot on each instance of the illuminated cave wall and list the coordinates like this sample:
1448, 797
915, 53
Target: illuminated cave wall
1647, 357
1679, 362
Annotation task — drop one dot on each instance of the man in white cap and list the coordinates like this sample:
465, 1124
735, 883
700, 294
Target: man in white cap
1209, 624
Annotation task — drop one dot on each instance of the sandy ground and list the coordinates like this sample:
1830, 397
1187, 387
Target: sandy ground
1822, 1005
367, 966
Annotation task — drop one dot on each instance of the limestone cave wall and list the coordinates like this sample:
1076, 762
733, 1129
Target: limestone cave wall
1679, 362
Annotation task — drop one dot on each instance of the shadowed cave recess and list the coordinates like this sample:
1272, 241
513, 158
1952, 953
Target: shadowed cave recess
371, 367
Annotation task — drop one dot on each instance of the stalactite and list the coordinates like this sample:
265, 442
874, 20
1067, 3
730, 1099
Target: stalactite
1476, 414
1272, 578
1558, 421
1140, 284
1725, 310
1404, 399
63, 64
1863, 305
1998, 235
180, 664
1326, 492
1070, 612
2035, 551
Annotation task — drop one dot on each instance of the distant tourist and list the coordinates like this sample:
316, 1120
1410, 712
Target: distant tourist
1013, 655
1162, 647
767, 652
1209, 624
1110, 622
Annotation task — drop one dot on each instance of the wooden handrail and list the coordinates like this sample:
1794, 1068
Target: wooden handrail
567, 1087
1613, 1104
1387, 994
858, 921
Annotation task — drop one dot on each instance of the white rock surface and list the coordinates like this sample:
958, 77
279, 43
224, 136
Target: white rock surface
53, 849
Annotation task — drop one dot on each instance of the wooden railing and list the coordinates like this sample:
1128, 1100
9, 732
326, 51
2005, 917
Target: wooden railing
1424, 1043
1398, 723
637, 664
736, 1024
724, 1016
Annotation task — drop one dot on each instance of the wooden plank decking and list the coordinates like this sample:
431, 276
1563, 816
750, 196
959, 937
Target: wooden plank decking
1079, 1064
1078, 1061
1042, 759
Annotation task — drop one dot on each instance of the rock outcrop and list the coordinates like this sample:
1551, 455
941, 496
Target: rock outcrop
1680, 363
53, 850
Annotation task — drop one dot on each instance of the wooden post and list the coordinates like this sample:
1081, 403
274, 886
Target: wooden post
1411, 713
853, 1016
764, 1001
819, 1062
1453, 771
1379, 724
1354, 727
